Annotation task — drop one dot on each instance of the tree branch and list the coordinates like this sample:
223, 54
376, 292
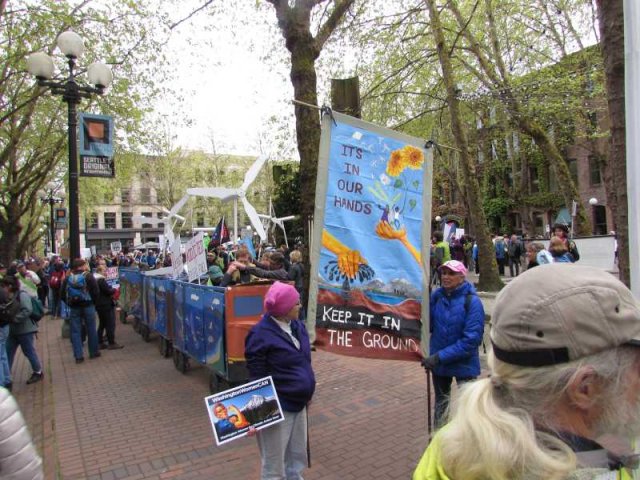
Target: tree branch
204, 5
332, 22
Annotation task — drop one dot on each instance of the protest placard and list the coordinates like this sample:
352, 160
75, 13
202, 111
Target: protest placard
196, 257
176, 258
233, 411
116, 247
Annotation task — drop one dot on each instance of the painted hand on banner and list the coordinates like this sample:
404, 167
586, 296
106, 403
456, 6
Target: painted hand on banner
386, 231
350, 264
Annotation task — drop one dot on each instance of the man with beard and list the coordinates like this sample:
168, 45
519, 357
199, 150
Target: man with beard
562, 400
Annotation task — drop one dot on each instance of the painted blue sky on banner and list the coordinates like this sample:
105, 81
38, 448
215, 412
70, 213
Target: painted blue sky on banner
374, 205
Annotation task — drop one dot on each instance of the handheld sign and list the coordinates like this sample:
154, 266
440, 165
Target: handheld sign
233, 411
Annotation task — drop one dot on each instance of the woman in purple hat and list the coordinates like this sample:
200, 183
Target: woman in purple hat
456, 328
279, 346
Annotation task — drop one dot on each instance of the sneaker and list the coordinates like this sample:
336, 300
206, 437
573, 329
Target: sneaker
35, 377
115, 346
95, 355
80, 360
103, 345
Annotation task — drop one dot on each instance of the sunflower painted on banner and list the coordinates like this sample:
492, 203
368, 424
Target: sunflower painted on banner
390, 226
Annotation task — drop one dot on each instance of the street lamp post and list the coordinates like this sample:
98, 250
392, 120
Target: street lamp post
41, 66
48, 196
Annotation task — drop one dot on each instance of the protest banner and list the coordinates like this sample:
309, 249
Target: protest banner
196, 257
176, 258
370, 247
116, 247
233, 411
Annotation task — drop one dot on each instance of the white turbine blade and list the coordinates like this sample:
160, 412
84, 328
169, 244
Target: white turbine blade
166, 210
262, 215
176, 208
222, 193
289, 217
253, 171
254, 218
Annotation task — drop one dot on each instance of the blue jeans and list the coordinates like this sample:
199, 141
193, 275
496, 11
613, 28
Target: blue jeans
54, 302
27, 343
5, 371
78, 316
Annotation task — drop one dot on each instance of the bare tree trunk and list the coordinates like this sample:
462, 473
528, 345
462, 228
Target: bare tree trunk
611, 20
489, 278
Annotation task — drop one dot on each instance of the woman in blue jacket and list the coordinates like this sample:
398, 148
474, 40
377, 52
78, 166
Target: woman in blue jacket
279, 346
456, 326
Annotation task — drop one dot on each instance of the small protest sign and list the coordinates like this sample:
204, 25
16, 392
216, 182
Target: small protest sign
196, 257
176, 258
232, 412
116, 247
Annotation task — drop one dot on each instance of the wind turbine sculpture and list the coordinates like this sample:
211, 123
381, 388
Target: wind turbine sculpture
235, 194
278, 221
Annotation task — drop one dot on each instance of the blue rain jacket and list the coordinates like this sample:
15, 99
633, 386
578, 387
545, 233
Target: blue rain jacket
456, 334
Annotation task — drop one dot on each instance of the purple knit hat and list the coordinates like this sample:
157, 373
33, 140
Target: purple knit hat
280, 298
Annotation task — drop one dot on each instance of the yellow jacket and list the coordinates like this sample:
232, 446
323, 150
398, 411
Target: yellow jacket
430, 468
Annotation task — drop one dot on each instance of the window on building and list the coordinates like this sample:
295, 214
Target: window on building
125, 195
145, 195
599, 220
93, 220
109, 220
573, 169
127, 220
147, 215
595, 178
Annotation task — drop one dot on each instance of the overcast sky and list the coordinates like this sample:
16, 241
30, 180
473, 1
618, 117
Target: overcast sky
229, 89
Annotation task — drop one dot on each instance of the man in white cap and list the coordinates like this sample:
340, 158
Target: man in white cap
456, 326
562, 400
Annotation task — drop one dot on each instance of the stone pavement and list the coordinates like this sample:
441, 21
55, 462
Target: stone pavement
131, 415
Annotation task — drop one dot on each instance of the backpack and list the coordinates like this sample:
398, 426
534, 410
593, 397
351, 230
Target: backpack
55, 280
77, 291
37, 310
8, 311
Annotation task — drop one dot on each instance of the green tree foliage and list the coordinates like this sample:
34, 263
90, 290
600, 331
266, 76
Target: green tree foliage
33, 131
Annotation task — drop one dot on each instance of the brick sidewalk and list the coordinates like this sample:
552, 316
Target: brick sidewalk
131, 415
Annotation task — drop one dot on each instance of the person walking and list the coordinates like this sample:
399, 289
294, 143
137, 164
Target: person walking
278, 346
9, 308
56, 277
22, 331
501, 250
515, 254
105, 306
456, 326
563, 384
80, 290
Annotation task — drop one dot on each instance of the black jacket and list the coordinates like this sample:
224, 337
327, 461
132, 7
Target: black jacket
105, 293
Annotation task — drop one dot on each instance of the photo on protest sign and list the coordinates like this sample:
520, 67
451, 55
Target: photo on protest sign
370, 249
233, 411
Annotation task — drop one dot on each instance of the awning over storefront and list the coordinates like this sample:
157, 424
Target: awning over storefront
564, 217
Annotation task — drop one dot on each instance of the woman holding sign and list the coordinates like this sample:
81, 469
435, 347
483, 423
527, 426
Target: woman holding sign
278, 346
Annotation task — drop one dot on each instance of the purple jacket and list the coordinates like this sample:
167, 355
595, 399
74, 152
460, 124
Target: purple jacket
270, 351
